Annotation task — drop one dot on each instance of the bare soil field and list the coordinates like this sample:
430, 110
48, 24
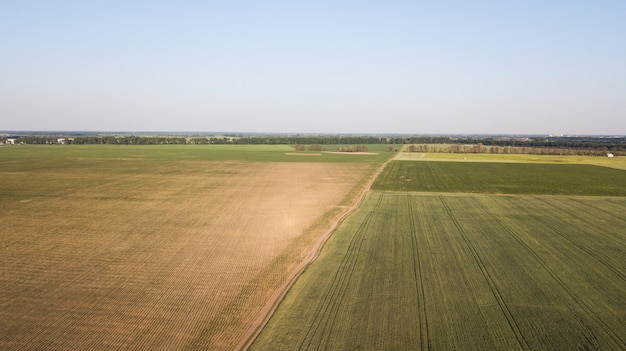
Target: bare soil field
138, 254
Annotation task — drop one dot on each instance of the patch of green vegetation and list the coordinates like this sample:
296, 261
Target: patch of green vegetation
502, 178
55, 168
251, 153
462, 272
616, 162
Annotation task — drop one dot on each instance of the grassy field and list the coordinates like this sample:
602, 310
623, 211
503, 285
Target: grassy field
615, 162
47, 155
157, 247
437, 270
504, 178
463, 272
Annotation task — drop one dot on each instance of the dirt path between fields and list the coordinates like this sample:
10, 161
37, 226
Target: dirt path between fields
277, 297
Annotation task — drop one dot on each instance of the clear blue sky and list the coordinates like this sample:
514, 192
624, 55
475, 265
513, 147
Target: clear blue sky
516, 66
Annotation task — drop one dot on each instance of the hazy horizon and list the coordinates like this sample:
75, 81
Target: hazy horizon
487, 67
50, 132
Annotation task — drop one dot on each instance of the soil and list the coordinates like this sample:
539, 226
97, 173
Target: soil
177, 255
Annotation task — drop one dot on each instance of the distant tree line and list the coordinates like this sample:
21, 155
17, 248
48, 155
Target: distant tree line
534, 150
353, 148
587, 145
130, 140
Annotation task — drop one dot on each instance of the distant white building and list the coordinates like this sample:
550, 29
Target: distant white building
609, 154
11, 141
61, 141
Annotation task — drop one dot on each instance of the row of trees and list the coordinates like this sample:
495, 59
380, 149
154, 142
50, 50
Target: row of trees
480, 144
313, 147
156, 140
353, 148
480, 148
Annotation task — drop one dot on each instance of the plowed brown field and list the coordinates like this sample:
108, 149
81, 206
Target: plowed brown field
157, 255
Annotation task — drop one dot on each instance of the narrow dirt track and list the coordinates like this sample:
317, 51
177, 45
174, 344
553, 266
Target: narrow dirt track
271, 306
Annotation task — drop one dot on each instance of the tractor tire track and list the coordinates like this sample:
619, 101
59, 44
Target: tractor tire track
278, 296
617, 206
577, 300
419, 279
322, 322
583, 248
490, 280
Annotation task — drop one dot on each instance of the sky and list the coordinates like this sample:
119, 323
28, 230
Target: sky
363, 67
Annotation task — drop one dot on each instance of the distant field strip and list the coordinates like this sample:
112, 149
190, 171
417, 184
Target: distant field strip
463, 272
502, 178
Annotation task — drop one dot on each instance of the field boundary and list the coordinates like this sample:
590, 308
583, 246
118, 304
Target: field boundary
336, 295
278, 296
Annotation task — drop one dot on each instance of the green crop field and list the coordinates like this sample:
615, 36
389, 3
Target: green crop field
504, 178
50, 154
614, 162
463, 272
468, 256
